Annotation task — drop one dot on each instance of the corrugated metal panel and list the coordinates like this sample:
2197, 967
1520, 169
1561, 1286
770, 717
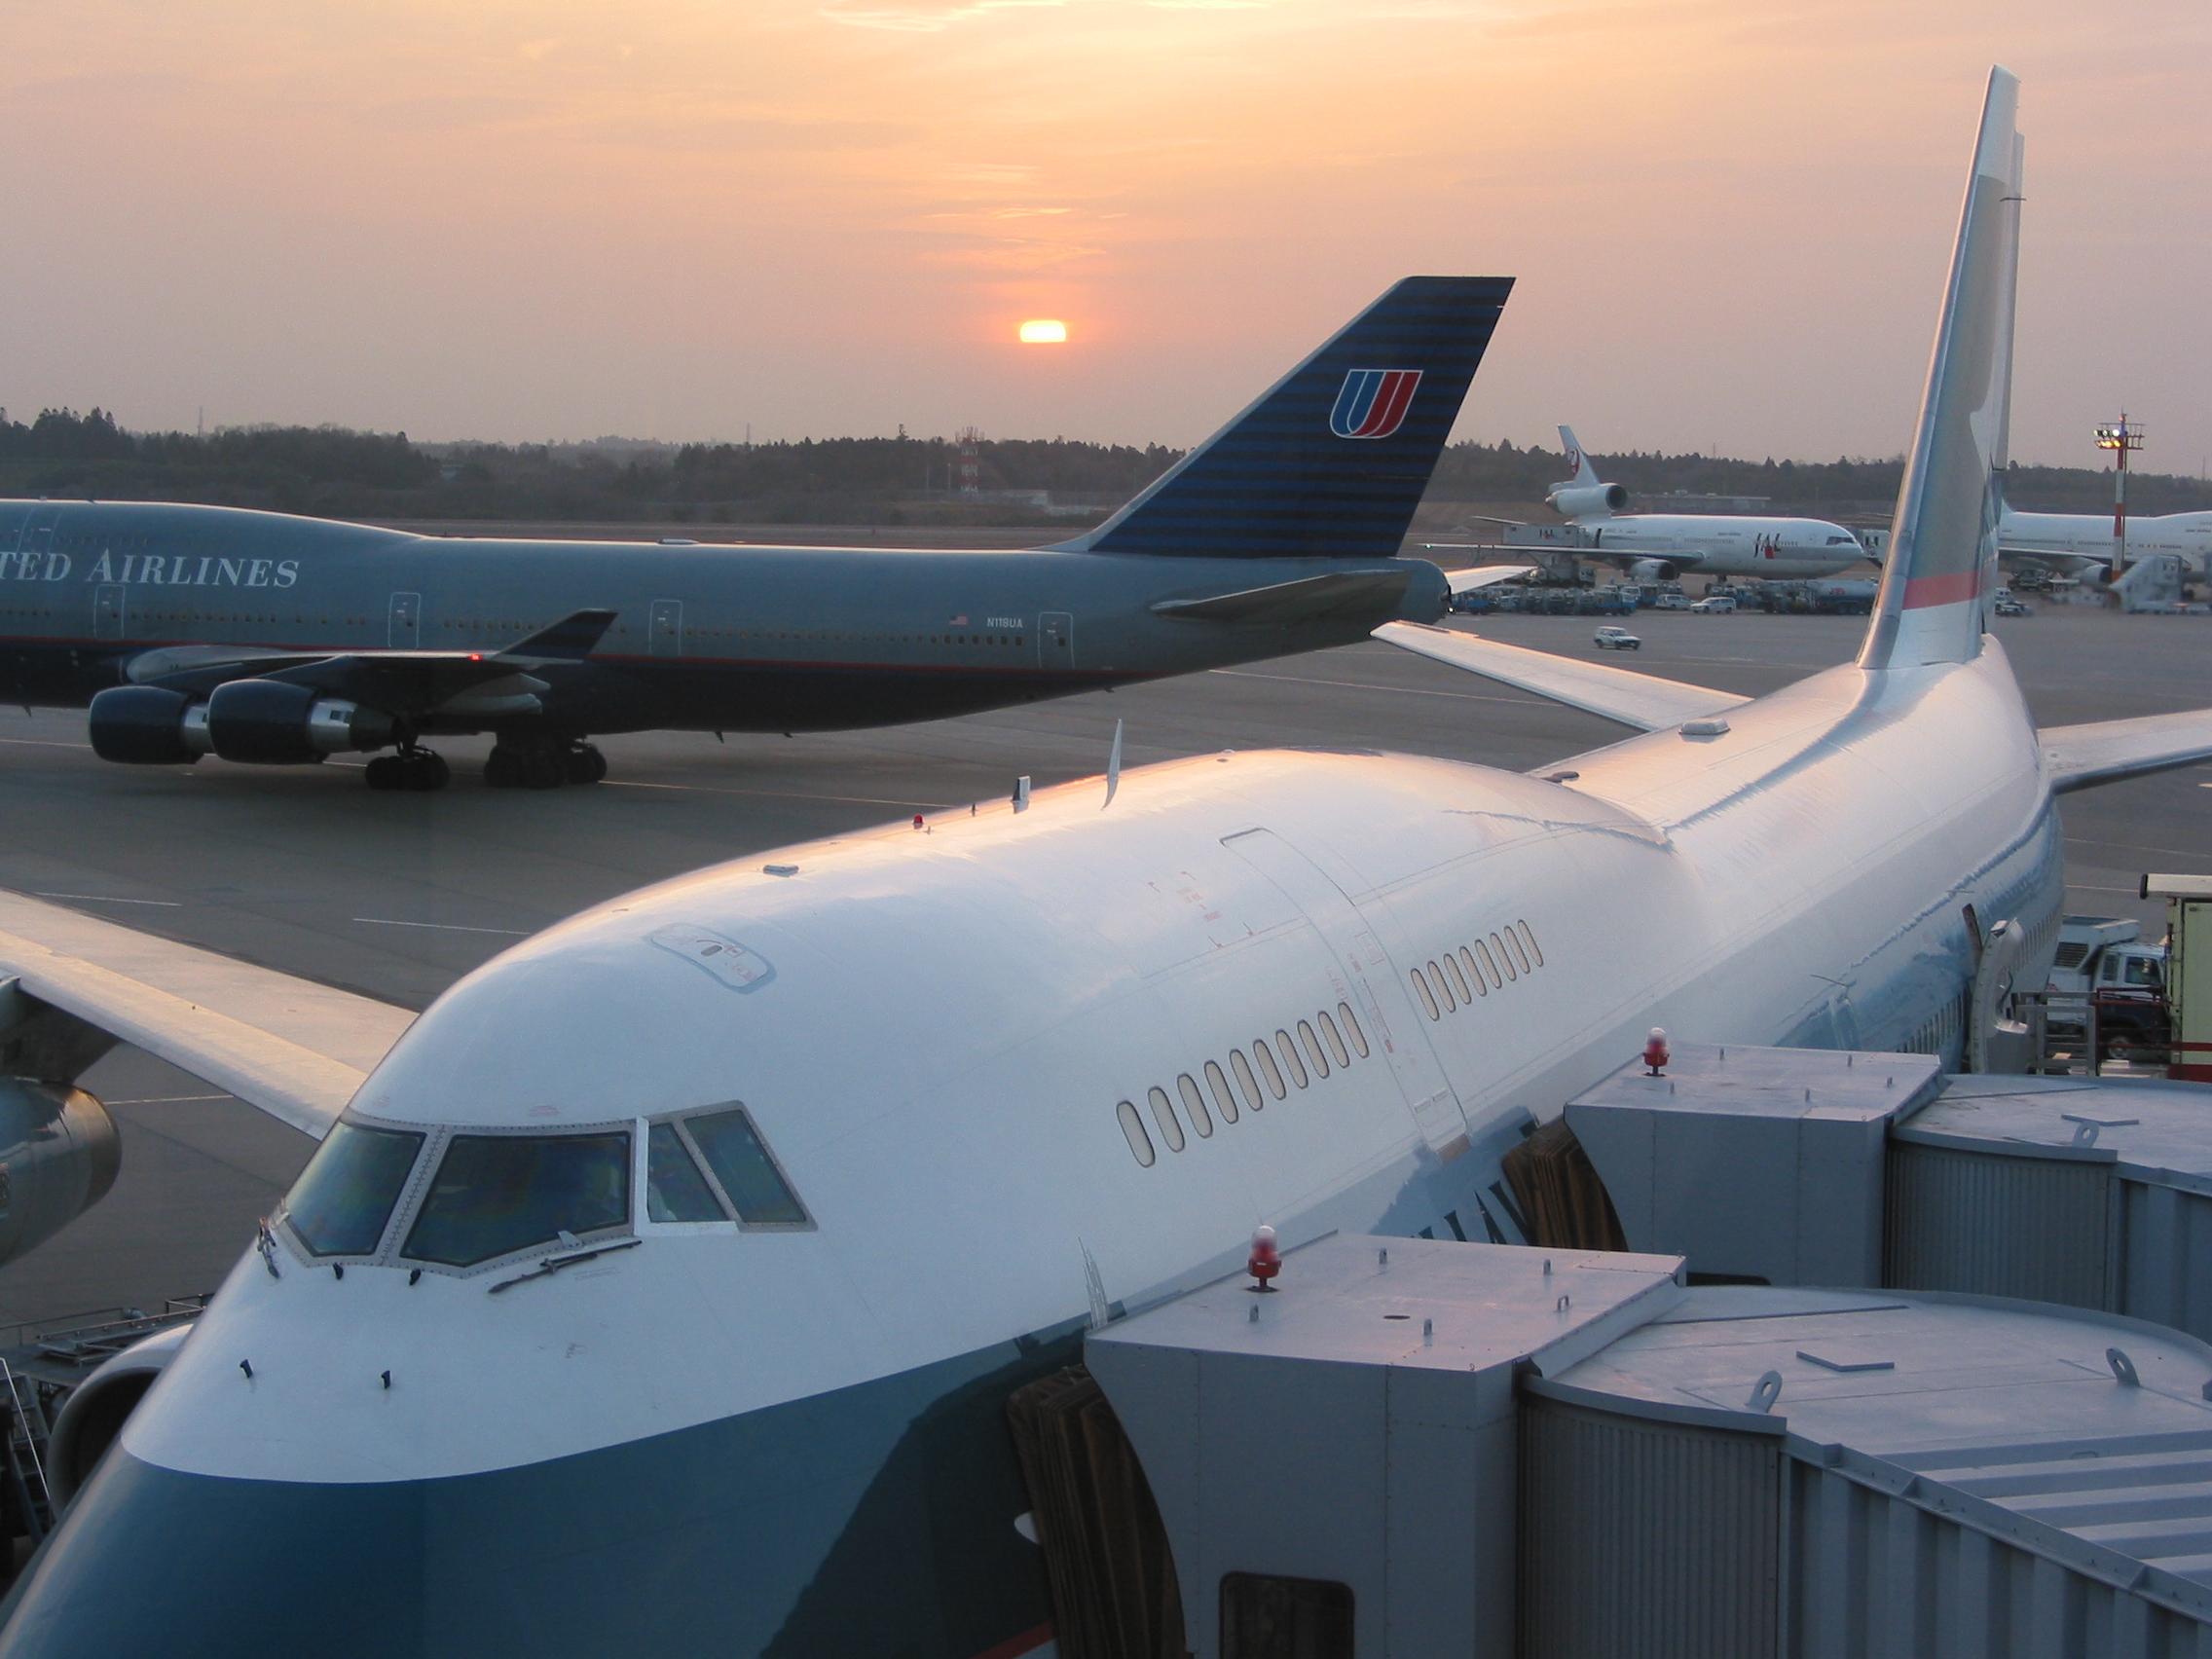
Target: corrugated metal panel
2168, 1272
1877, 1576
1646, 1540
1988, 1224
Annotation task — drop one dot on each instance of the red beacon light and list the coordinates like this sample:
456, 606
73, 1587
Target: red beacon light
1655, 1055
1266, 1261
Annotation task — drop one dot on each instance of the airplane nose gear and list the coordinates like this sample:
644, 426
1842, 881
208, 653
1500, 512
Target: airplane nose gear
410, 769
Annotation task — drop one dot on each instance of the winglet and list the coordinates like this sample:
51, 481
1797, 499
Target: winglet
1943, 543
569, 640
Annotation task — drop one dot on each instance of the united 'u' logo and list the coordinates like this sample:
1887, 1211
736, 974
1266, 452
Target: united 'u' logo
1373, 403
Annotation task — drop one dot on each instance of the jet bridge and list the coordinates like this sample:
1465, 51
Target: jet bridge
1824, 1167
1416, 1449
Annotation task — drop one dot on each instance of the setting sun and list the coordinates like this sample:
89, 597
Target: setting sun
1044, 332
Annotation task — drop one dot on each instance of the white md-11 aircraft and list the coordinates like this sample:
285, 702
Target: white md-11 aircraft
1658, 547
661, 1290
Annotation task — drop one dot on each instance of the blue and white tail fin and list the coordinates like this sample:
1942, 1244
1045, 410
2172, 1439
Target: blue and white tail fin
1332, 459
1942, 558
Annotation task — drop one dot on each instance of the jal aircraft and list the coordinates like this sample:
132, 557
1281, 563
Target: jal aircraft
1658, 547
262, 638
661, 1290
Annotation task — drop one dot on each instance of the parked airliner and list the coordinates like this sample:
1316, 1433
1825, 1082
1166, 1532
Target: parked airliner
661, 1290
2078, 543
1657, 547
261, 637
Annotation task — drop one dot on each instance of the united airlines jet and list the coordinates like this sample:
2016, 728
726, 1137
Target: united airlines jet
281, 641
660, 1292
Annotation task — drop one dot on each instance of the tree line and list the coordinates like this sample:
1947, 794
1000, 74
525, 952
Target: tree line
339, 473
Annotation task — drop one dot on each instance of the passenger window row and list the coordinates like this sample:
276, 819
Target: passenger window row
1491, 964
1326, 1042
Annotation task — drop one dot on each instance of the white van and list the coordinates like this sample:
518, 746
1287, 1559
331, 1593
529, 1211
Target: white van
1713, 606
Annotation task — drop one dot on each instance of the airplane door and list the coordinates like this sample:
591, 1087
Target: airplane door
37, 533
667, 630
107, 610
1366, 978
404, 630
1055, 640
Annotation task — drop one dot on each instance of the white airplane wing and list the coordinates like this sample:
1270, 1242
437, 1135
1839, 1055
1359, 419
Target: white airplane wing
1487, 575
294, 1048
1644, 701
2081, 756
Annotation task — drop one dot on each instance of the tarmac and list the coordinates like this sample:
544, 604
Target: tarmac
396, 896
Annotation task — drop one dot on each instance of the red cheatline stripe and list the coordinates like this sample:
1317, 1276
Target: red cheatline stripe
2192, 1047
1028, 1641
2189, 1073
1923, 591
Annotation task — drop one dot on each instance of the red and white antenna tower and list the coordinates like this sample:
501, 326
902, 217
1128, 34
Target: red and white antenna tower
2122, 437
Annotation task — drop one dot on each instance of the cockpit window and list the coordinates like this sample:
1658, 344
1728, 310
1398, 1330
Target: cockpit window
675, 1190
498, 1194
750, 1179
341, 1200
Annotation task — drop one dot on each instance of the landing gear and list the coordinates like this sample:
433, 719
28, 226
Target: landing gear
410, 769
543, 765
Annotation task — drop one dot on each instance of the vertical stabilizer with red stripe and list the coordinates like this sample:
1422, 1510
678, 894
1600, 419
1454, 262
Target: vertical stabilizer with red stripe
1943, 559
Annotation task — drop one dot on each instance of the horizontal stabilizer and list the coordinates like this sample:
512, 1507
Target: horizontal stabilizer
1487, 575
1338, 596
1640, 700
2081, 756
296, 1050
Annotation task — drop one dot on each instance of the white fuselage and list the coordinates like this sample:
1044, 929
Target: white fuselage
955, 1017
2089, 535
1787, 549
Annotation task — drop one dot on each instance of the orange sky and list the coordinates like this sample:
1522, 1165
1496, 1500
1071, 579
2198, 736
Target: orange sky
1729, 217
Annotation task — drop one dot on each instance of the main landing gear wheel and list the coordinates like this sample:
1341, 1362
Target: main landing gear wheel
415, 769
583, 763
510, 768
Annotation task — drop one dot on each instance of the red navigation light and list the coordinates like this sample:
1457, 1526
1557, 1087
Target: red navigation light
1266, 1261
1655, 1055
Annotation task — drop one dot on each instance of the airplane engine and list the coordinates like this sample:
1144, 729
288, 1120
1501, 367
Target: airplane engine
148, 726
1652, 570
58, 1154
1576, 501
92, 1419
273, 723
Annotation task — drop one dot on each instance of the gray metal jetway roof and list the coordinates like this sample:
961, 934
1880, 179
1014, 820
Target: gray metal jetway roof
2010, 1420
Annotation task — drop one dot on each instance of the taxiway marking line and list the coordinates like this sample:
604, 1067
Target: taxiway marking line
443, 927
108, 899
2133, 846
1370, 685
45, 743
783, 795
